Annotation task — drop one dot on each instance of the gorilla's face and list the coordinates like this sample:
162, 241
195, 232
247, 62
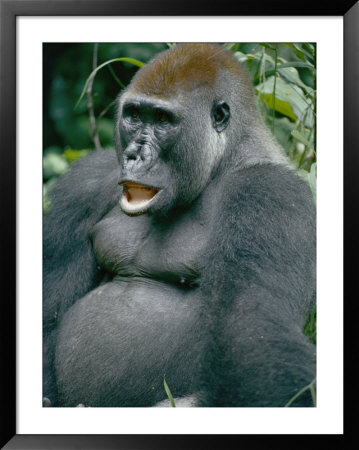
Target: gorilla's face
165, 151
148, 131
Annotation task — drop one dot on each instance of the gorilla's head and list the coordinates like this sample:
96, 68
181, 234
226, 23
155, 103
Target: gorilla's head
182, 113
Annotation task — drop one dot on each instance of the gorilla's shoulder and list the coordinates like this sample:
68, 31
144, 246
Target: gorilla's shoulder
95, 165
90, 174
266, 197
269, 183
90, 187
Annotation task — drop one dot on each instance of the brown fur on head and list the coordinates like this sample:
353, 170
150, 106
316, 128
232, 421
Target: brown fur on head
185, 67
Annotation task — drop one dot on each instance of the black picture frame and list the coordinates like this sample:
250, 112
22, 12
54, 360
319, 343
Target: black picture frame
9, 10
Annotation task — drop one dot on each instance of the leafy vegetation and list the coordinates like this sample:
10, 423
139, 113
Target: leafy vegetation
284, 78
311, 388
67, 133
168, 393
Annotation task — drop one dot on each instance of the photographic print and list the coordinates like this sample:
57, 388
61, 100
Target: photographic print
179, 225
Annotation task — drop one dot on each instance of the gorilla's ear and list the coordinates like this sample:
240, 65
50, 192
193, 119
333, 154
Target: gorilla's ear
220, 115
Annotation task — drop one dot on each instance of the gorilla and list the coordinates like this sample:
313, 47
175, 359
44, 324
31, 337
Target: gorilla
188, 253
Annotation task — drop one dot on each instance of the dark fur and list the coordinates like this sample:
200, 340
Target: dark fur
210, 288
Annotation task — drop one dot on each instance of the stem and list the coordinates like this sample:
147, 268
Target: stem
274, 88
90, 104
310, 386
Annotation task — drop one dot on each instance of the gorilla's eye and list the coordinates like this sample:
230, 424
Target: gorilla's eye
134, 113
162, 116
131, 111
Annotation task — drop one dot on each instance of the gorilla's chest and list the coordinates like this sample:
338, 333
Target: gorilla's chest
136, 246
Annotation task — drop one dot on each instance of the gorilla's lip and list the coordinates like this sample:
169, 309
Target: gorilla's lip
137, 197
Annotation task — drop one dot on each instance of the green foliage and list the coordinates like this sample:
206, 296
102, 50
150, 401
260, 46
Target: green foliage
311, 388
72, 155
310, 328
284, 80
54, 162
92, 75
168, 392
66, 67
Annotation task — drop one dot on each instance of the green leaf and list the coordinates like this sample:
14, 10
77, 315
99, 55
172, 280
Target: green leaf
92, 75
296, 64
282, 128
231, 46
312, 179
309, 387
168, 392
73, 155
288, 72
288, 100
301, 138
309, 49
290, 75
265, 45
276, 102
303, 52
118, 81
242, 57
54, 165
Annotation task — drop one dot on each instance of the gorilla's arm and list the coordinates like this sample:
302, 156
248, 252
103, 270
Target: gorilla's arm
260, 280
77, 202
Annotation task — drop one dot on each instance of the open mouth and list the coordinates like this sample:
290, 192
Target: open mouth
136, 197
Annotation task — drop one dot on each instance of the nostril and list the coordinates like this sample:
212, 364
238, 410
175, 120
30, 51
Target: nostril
137, 154
132, 157
132, 153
